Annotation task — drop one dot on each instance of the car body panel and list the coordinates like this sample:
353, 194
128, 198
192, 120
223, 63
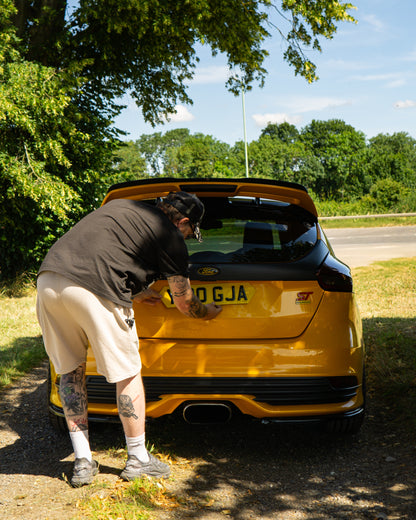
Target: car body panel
269, 310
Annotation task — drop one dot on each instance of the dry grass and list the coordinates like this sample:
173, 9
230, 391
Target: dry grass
21, 346
386, 293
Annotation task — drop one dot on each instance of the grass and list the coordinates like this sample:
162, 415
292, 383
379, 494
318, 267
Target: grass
352, 222
21, 346
125, 501
386, 293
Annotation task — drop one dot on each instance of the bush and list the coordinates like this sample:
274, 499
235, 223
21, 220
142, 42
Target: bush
387, 194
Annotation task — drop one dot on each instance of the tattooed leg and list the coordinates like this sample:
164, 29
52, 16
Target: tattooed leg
73, 392
131, 405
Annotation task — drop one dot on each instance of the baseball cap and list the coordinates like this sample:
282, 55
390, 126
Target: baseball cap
189, 206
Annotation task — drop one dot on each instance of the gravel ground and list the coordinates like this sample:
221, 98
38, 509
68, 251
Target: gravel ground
242, 470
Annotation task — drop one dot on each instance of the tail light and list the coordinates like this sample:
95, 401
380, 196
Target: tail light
334, 276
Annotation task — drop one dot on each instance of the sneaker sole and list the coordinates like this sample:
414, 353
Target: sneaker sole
83, 481
152, 474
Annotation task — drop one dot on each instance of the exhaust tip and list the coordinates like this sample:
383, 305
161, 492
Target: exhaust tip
207, 413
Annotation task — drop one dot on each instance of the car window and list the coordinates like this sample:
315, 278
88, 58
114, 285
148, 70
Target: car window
253, 230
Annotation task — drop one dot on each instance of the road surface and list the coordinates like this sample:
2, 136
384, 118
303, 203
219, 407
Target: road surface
362, 246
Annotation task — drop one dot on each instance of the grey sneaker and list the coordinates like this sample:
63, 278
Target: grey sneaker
84, 471
154, 468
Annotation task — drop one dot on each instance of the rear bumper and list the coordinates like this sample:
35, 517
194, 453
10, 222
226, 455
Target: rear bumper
285, 398
260, 397
357, 413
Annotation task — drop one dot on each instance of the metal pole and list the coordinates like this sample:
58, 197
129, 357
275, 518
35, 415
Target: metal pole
245, 131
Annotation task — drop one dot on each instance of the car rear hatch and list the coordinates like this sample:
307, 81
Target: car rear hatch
258, 260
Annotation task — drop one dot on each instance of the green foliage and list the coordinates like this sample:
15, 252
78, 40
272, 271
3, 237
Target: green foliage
35, 202
342, 153
51, 154
154, 148
178, 153
285, 132
149, 48
199, 156
128, 164
308, 21
393, 156
385, 194
330, 158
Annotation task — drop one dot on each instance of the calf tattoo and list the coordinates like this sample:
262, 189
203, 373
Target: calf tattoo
74, 398
125, 406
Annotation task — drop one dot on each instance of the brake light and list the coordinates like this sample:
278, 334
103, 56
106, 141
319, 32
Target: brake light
334, 276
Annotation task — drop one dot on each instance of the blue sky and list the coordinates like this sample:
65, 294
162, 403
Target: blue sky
367, 77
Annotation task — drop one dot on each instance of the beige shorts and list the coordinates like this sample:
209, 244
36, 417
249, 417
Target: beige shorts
72, 318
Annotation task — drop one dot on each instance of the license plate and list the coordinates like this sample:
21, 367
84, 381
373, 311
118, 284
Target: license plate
221, 294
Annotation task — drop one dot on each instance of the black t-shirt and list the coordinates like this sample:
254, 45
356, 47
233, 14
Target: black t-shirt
118, 249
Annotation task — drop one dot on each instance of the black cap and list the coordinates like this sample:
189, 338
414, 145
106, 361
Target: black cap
189, 206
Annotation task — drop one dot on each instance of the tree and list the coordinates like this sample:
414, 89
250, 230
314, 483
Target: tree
277, 159
200, 156
148, 47
52, 154
285, 132
393, 156
128, 163
153, 148
342, 152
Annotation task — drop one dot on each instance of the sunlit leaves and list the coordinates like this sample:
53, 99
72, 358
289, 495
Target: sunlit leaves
309, 20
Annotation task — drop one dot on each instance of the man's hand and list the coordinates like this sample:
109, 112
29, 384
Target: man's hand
212, 311
148, 296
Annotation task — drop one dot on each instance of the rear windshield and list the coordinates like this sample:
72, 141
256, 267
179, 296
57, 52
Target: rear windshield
253, 230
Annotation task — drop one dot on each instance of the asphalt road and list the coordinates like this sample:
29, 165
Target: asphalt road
363, 246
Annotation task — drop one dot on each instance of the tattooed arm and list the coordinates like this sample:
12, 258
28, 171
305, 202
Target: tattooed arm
186, 301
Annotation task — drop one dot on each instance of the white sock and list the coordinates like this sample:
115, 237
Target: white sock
137, 446
81, 444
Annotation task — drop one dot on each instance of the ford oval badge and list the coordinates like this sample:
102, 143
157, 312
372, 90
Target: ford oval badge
208, 271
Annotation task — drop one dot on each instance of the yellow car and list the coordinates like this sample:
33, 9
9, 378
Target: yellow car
288, 344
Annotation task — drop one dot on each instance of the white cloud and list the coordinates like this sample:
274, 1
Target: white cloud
298, 105
405, 104
307, 104
396, 83
263, 120
377, 77
206, 75
347, 65
375, 22
411, 56
181, 115
392, 79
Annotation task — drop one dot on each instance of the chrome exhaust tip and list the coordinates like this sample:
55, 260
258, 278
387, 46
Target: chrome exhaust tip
207, 413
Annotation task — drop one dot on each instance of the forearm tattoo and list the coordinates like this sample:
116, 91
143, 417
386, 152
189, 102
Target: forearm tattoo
74, 397
197, 309
126, 407
179, 287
